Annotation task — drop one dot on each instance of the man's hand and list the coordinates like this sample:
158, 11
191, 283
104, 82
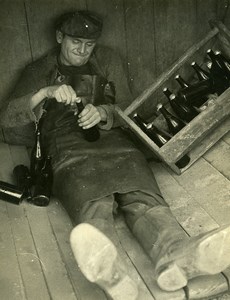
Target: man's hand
62, 93
91, 115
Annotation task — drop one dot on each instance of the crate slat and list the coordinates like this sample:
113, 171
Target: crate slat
197, 129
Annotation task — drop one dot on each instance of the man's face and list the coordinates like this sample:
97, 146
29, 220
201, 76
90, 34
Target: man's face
75, 51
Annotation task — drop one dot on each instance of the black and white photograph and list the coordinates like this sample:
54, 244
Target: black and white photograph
115, 150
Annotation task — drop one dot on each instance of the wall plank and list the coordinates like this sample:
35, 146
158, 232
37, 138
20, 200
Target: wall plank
175, 30
140, 43
14, 50
112, 13
41, 16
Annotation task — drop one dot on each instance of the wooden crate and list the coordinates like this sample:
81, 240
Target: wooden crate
203, 131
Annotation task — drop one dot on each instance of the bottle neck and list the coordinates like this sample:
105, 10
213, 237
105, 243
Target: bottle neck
164, 112
182, 82
80, 106
140, 121
167, 93
212, 55
202, 75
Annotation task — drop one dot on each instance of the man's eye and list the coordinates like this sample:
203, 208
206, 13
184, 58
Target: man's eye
90, 44
76, 42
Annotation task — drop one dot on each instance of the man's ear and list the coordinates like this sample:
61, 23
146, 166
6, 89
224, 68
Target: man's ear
59, 36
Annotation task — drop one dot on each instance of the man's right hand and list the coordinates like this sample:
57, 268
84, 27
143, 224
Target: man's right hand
62, 93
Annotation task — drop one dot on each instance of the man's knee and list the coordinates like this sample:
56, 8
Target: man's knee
97, 209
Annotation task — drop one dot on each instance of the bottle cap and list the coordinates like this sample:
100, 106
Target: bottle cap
193, 63
177, 76
165, 89
135, 115
78, 99
159, 106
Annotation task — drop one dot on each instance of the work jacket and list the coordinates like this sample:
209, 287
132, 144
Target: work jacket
84, 171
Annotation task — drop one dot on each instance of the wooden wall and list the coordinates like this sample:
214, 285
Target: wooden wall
149, 34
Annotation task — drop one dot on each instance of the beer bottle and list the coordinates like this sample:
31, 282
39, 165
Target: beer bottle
43, 186
23, 180
201, 73
155, 134
37, 155
11, 193
181, 81
174, 123
140, 122
186, 113
91, 134
225, 64
159, 137
197, 94
219, 73
216, 63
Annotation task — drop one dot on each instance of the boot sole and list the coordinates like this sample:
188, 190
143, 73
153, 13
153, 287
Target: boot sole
98, 260
210, 255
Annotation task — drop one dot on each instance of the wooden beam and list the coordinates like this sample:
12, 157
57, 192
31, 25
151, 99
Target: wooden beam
197, 129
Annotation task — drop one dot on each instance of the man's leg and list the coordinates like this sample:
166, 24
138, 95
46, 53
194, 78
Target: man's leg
95, 246
176, 257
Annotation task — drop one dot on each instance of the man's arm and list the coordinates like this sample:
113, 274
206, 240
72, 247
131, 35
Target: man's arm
17, 110
25, 103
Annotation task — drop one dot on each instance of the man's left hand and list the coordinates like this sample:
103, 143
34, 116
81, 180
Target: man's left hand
91, 116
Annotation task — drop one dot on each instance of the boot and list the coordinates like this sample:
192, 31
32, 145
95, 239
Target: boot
98, 259
176, 257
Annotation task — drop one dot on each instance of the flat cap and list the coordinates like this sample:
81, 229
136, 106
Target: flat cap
81, 24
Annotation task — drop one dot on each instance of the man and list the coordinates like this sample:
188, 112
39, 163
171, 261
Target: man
90, 176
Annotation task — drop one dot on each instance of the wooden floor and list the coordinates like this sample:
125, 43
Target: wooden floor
36, 261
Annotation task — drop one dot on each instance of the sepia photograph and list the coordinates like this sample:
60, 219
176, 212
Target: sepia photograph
115, 150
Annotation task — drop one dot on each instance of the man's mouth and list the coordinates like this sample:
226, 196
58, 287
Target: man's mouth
80, 55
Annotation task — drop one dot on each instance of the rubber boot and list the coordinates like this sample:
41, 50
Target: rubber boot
99, 261
176, 257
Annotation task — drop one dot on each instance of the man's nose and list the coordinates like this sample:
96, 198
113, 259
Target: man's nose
82, 48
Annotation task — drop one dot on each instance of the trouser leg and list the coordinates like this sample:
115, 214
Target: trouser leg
99, 213
176, 257
149, 218
96, 248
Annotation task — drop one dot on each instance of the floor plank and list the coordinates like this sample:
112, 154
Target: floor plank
226, 138
210, 189
53, 266
61, 226
143, 264
29, 262
11, 283
189, 213
219, 157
